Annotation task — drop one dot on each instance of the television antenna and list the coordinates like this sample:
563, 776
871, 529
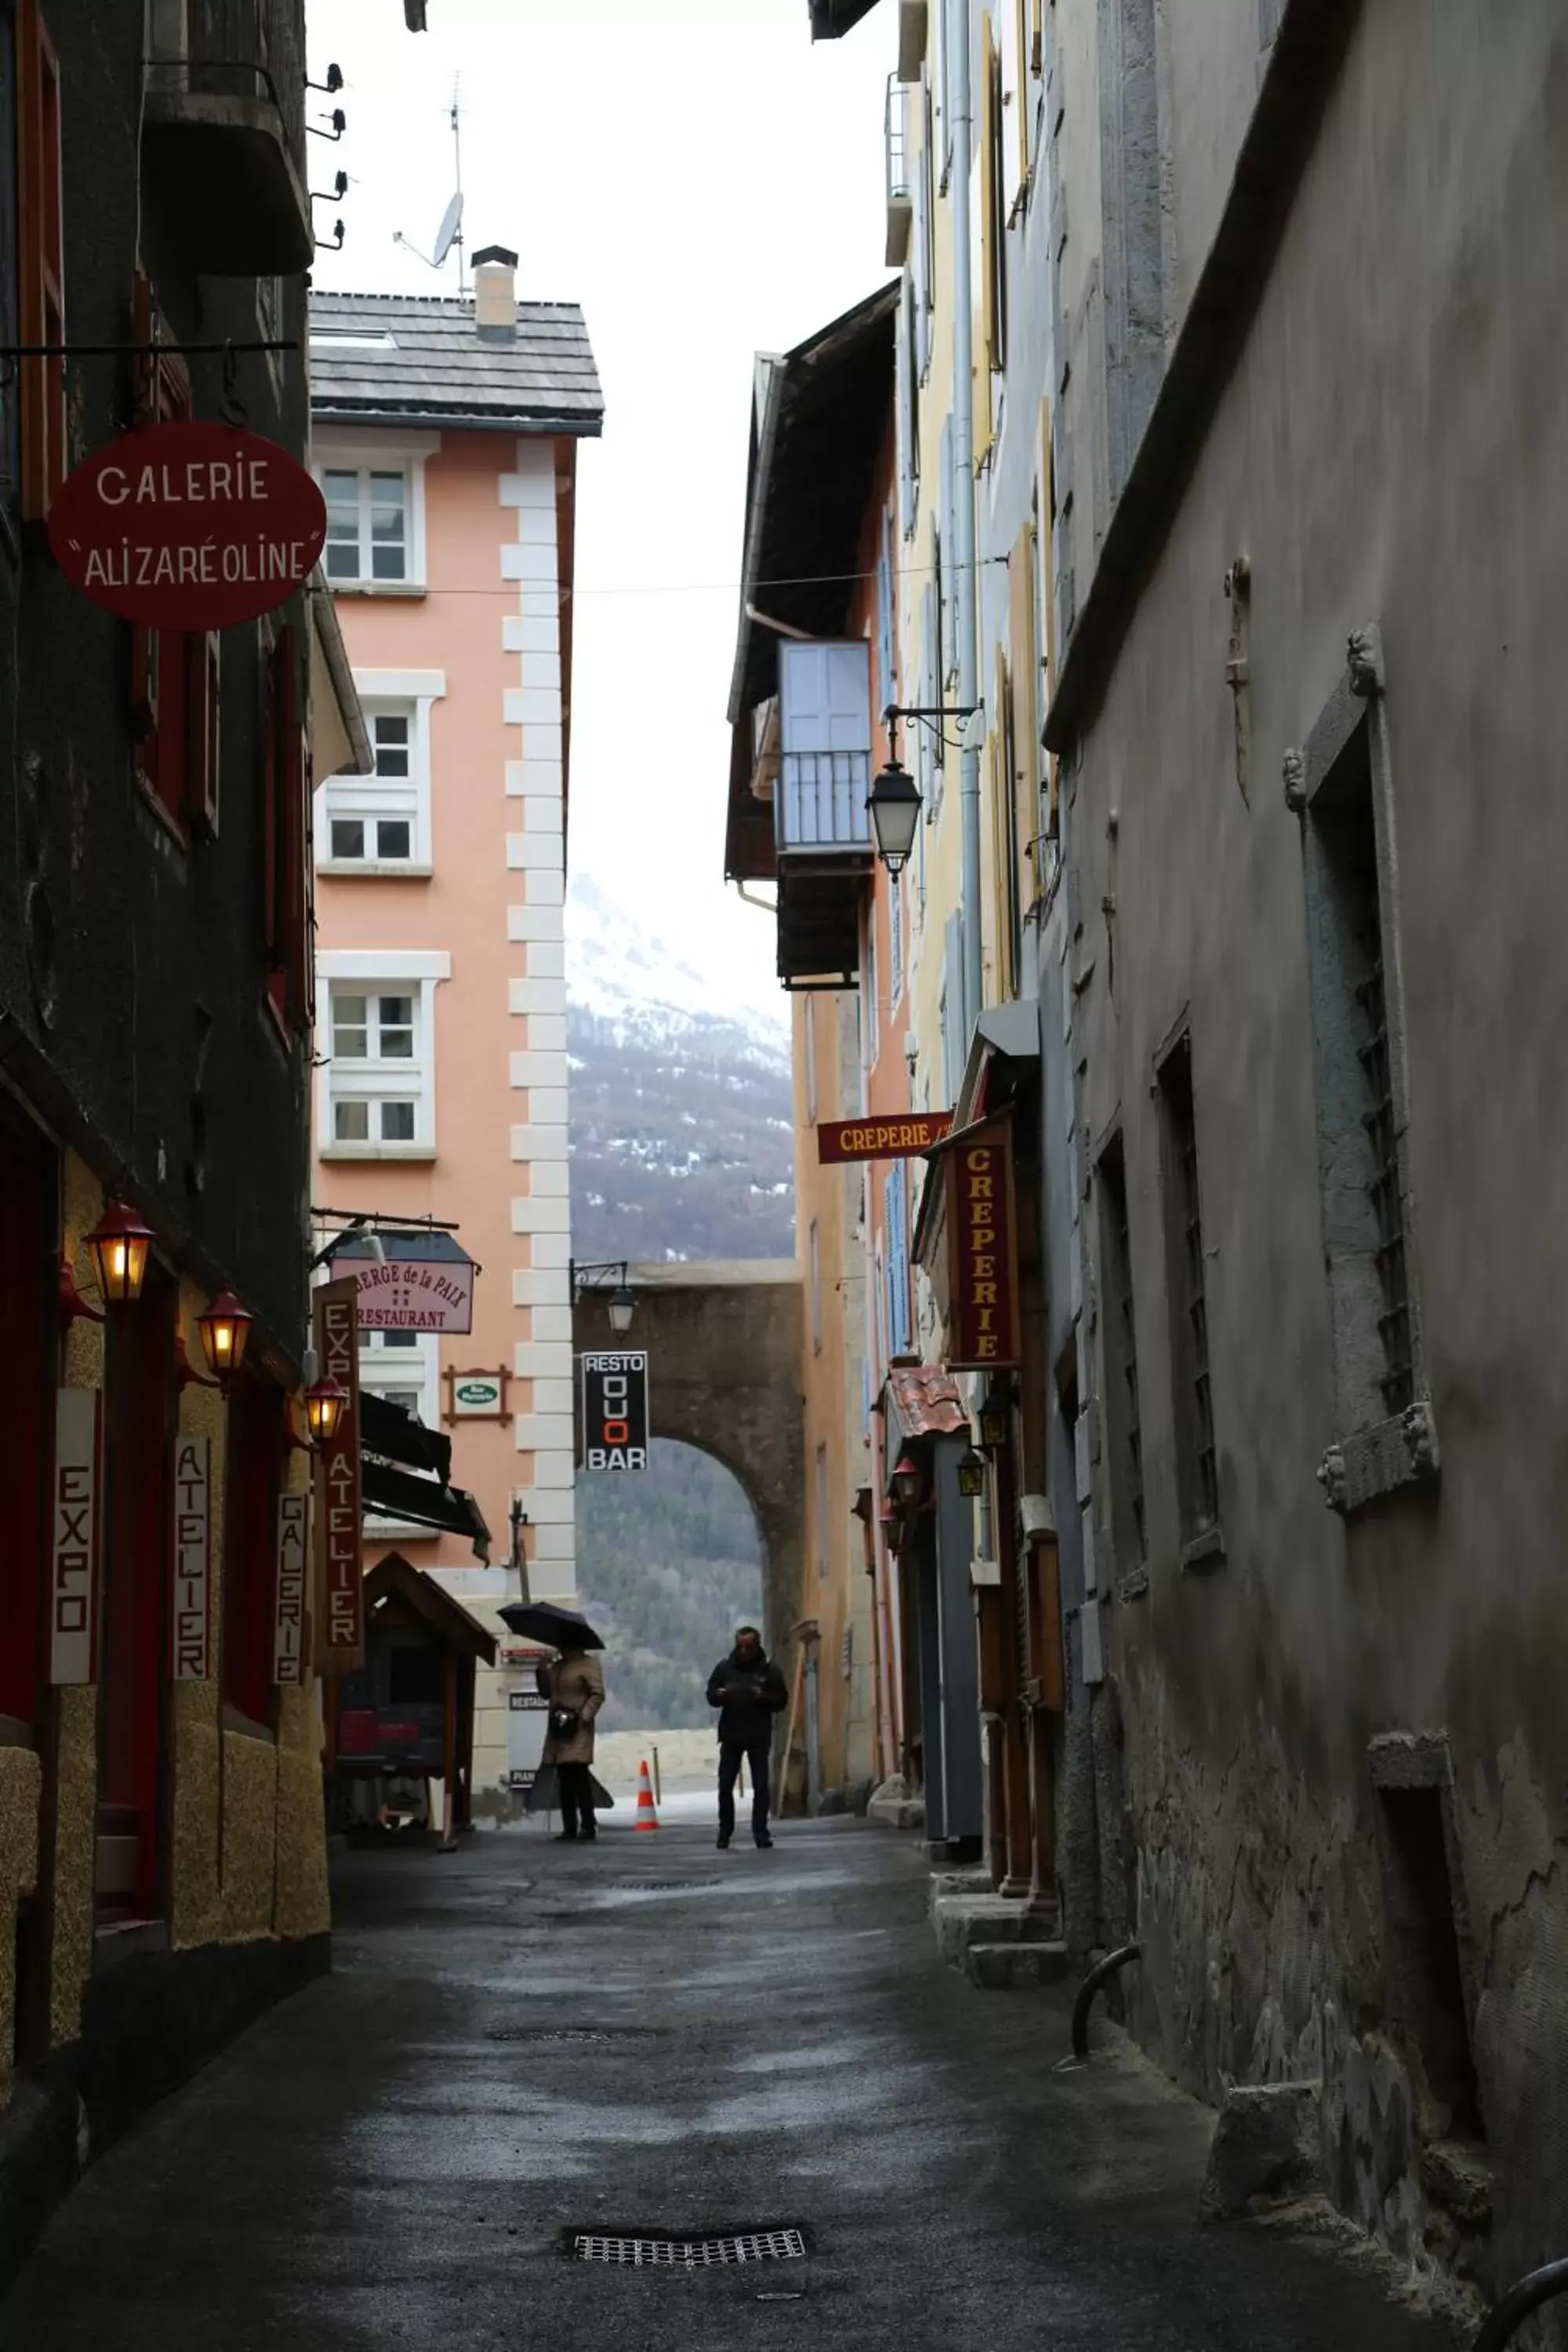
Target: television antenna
450, 232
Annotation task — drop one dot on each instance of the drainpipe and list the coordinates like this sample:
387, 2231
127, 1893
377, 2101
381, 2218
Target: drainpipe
958, 81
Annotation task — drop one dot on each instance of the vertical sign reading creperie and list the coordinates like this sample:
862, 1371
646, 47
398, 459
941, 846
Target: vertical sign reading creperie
341, 1646
982, 1239
191, 1630
73, 1539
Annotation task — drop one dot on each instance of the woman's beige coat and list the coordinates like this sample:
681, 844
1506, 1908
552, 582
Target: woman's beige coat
576, 1680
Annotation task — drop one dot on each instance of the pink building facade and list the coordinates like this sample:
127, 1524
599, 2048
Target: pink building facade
444, 437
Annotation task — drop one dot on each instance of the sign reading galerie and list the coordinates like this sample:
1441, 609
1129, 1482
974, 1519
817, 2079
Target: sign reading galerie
73, 1543
881, 1139
191, 1630
293, 1560
338, 1484
983, 1243
188, 526
615, 1410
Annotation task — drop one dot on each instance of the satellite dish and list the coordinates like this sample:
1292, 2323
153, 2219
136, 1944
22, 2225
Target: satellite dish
450, 230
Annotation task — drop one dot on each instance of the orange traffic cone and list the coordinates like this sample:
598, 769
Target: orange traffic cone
646, 1818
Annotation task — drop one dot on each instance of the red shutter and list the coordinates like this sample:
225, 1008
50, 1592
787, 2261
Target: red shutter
41, 261
203, 678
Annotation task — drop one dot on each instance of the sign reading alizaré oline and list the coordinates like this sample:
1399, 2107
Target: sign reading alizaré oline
338, 1514
615, 1410
983, 1243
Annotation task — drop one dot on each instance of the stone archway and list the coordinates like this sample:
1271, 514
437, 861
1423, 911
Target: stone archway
723, 1338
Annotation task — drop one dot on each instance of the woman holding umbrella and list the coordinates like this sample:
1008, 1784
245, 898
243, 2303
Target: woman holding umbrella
573, 1684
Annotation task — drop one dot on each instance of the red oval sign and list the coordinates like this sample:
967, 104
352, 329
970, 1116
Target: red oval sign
193, 526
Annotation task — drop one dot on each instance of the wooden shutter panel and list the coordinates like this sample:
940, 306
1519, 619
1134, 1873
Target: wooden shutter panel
203, 674
41, 260
983, 212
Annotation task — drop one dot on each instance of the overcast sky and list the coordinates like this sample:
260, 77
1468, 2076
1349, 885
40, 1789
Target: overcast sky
707, 183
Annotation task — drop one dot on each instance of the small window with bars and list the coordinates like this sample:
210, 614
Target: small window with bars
1360, 1180
1124, 1429
1197, 1471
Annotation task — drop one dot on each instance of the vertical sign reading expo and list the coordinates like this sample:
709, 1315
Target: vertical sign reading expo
983, 1242
73, 1539
340, 1650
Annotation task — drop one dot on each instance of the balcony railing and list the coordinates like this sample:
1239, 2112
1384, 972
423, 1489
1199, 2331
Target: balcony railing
901, 186
225, 124
820, 804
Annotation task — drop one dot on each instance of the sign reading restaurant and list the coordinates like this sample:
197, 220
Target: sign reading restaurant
188, 526
418, 1294
983, 1251
900, 1138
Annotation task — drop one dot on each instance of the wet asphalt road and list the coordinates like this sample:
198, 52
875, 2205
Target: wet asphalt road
523, 2039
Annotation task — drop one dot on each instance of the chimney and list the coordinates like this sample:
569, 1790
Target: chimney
495, 295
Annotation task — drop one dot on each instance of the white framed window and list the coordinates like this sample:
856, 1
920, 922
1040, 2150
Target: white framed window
380, 823
377, 1092
375, 491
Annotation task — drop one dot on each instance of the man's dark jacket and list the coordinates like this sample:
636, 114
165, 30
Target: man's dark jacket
746, 1720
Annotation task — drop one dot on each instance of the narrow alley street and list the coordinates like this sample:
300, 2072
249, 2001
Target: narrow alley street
519, 2043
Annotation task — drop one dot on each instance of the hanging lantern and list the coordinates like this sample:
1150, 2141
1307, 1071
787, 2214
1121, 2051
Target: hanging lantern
623, 1307
971, 1474
225, 1333
894, 1529
905, 1482
325, 1403
119, 1244
895, 807
993, 1418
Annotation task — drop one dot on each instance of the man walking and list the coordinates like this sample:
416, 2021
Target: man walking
748, 1690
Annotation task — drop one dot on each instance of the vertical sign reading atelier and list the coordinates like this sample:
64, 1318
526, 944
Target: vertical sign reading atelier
73, 1539
983, 1243
615, 1410
293, 1560
342, 1645
191, 1628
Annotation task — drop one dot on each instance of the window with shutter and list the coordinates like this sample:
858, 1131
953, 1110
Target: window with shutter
41, 262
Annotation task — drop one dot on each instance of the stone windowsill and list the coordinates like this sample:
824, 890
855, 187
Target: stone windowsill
373, 869
1380, 1458
377, 1152
1203, 1552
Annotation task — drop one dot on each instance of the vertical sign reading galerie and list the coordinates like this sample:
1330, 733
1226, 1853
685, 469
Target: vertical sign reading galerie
191, 1624
293, 1560
983, 1237
73, 1539
342, 1645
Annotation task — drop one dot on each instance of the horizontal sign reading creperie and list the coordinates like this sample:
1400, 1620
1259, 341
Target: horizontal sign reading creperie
900, 1138
190, 526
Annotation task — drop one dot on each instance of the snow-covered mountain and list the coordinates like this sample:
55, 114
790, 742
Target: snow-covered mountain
679, 1097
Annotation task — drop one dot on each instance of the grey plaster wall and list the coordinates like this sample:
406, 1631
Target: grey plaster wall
1390, 446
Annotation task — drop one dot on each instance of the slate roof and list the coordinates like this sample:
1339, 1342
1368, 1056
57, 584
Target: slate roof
437, 369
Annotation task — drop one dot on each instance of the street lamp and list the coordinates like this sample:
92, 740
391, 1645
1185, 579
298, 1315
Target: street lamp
621, 1304
905, 1482
119, 1244
325, 1405
893, 1529
994, 1419
621, 1310
225, 1333
895, 806
971, 1474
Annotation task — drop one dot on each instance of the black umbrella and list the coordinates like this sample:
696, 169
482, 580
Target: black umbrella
540, 1620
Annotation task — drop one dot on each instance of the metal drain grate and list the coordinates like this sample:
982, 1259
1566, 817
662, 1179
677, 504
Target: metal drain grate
538, 2033
662, 1885
690, 2253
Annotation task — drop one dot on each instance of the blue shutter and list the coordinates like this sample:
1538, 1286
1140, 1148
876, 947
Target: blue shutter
897, 1203
953, 1040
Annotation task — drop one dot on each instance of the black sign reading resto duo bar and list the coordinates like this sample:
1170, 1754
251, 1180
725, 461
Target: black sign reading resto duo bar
615, 1410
